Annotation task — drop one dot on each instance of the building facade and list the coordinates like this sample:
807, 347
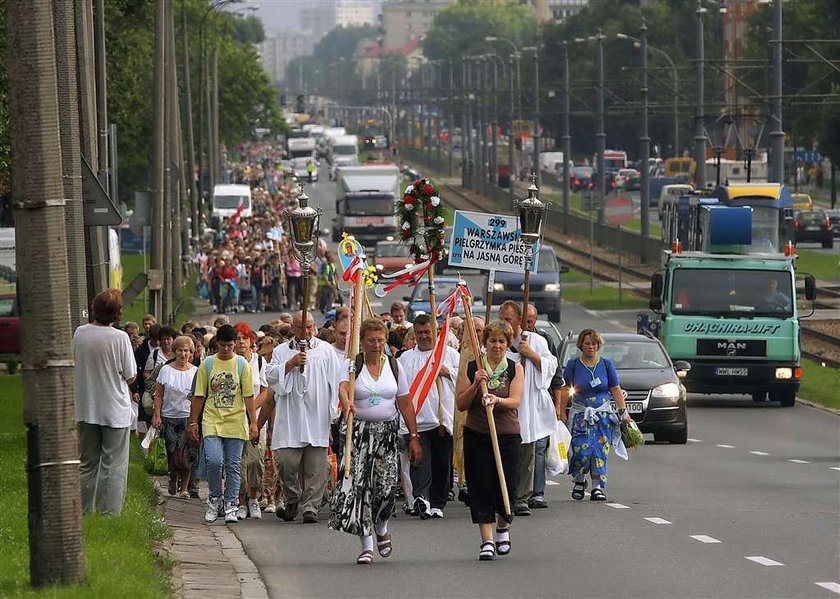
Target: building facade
408, 20
280, 48
318, 19
352, 13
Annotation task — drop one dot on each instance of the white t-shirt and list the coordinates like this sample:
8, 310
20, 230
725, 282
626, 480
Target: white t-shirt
259, 373
104, 362
156, 356
376, 399
177, 385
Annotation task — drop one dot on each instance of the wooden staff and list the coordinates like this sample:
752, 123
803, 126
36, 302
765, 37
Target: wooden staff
433, 310
491, 422
359, 296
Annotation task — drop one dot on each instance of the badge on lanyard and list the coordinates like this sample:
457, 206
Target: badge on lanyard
595, 382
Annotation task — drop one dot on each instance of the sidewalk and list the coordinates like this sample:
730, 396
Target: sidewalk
211, 561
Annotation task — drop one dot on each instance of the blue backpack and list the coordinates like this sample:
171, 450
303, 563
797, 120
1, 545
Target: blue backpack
240, 363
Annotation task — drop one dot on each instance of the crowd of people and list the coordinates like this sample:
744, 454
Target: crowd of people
262, 416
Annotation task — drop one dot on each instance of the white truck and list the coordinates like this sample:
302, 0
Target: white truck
300, 147
553, 162
227, 199
365, 202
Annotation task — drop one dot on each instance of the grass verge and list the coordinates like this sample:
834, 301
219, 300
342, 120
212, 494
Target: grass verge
820, 384
118, 551
133, 265
603, 298
574, 276
825, 267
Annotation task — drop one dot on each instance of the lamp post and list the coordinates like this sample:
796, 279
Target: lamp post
531, 211
514, 97
777, 135
600, 136
511, 134
567, 138
699, 127
304, 221
451, 137
536, 135
494, 155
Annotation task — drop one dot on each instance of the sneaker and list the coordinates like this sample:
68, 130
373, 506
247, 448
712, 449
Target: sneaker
424, 510
436, 512
464, 495
537, 502
242, 512
212, 512
289, 512
270, 508
310, 517
408, 510
231, 514
254, 508
522, 509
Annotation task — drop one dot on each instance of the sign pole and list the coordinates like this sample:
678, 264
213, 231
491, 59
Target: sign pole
591, 246
619, 264
352, 352
491, 281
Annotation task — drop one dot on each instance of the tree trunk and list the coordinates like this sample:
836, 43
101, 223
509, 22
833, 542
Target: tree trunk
56, 555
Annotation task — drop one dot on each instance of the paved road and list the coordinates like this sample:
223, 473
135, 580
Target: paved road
748, 508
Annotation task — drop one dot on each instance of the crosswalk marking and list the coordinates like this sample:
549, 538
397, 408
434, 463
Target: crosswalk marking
618, 506
705, 539
799, 461
695, 441
830, 586
764, 561
726, 446
759, 453
654, 520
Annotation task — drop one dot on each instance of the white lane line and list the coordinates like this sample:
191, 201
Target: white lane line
752, 452
704, 539
618, 506
654, 520
719, 445
615, 323
695, 441
830, 586
791, 461
832, 467
548, 482
764, 561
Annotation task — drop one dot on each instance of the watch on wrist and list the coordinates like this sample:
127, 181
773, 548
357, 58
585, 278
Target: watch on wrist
414, 435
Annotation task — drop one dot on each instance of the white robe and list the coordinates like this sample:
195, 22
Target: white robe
412, 361
305, 403
537, 418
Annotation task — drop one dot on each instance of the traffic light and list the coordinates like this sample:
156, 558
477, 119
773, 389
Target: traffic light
299, 104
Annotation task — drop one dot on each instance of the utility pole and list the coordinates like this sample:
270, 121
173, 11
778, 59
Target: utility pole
451, 137
174, 163
699, 127
536, 135
777, 135
71, 164
56, 553
601, 135
158, 174
193, 190
494, 158
102, 99
644, 143
567, 138
511, 133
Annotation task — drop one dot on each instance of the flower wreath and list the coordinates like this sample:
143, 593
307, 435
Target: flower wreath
420, 217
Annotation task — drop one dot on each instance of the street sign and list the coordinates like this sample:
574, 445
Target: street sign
98, 207
618, 210
489, 242
589, 202
142, 215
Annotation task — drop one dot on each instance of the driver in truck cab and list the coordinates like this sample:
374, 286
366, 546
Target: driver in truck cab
774, 297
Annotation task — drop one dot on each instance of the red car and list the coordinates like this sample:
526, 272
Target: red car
9, 324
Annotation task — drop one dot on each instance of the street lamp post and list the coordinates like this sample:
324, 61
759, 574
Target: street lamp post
777, 135
511, 134
699, 127
515, 96
567, 138
531, 211
451, 136
536, 135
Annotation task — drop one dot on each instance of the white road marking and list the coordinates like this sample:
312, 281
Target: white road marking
615, 323
720, 445
835, 468
654, 520
799, 461
695, 441
764, 561
548, 482
704, 539
759, 453
619, 506
830, 586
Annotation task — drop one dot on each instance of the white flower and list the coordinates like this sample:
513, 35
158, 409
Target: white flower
408, 207
439, 220
409, 190
434, 200
406, 226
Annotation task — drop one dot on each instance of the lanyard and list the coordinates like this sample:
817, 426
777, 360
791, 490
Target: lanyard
591, 370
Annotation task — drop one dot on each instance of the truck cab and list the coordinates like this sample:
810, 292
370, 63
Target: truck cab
365, 203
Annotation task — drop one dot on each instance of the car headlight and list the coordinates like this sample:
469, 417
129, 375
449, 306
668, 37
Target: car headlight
552, 287
498, 286
670, 390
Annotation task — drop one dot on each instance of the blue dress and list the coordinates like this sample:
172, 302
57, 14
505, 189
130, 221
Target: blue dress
592, 420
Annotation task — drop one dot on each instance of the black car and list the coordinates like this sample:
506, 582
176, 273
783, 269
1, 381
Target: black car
813, 225
654, 393
580, 177
544, 290
834, 219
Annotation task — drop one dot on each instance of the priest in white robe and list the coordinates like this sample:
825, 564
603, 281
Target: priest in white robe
304, 405
537, 416
431, 480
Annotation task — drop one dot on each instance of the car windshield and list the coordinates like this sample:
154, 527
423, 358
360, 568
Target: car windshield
442, 290
812, 217
547, 261
582, 171
344, 150
391, 250
626, 355
229, 202
374, 206
731, 292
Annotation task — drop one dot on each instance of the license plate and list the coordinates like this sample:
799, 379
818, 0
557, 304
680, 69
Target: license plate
731, 371
633, 407
371, 220
812, 228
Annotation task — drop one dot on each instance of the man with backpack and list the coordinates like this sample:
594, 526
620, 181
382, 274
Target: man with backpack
224, 404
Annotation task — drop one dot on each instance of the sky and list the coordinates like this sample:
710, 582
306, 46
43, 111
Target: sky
283, 14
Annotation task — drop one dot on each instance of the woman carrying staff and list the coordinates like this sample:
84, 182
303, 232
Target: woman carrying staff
172, 411
505, 381
365, 501
592, 381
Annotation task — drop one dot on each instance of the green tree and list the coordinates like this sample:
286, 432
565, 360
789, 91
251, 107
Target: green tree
342, 42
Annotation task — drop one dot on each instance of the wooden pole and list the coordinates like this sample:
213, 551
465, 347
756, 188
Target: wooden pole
491, 280
352, 352
304, 343
433, 310
526, 287
491, 421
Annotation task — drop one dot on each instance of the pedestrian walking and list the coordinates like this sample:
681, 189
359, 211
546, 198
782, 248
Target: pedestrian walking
365, 500
592, 420
224, 405
171, 415
104, 369
505, 380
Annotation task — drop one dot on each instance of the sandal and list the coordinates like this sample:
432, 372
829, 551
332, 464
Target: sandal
577, 491
487, 552
365, 558
383, 545
503, 540
597, 495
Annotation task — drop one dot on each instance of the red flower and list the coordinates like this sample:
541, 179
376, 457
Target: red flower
408, 199
406, 233
428, 190
428, 209
418, 183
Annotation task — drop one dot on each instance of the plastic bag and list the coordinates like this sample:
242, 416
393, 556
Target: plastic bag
631, 435
156, 461
151, 435
557, 453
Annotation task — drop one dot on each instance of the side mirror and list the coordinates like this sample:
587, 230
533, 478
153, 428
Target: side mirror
682, 367
563, 269
656, 285
655, 304
406, 298
810, 288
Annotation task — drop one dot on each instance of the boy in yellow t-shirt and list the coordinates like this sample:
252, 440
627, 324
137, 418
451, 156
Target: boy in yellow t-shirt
224, 396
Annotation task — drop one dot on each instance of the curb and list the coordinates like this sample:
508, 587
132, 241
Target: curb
818, 406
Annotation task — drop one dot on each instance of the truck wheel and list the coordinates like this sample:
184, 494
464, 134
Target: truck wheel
679, 437
785, 397
759, 396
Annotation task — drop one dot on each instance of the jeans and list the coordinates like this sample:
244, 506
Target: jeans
540, 448
104, 467
223, 452
256, 304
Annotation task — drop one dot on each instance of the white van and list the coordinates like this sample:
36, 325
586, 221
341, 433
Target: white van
344, 150
227, 198
674, 190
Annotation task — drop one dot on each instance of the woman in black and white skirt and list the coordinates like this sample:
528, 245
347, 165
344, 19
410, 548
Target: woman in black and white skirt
364, 501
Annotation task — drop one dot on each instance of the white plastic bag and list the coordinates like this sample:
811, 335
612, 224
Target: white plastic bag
557, 454
151, 434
